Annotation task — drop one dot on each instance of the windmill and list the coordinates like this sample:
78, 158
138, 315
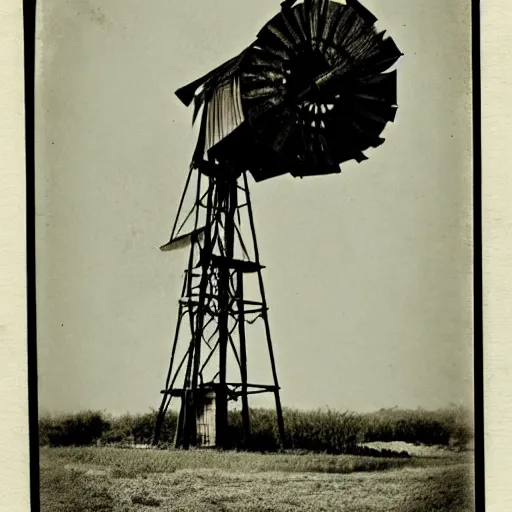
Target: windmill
311, 92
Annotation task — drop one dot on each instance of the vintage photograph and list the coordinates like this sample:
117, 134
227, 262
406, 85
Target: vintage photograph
254, 255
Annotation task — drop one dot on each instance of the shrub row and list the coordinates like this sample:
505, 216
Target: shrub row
89, 427
452, 426
320, 431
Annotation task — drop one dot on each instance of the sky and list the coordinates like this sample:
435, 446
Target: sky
368, 273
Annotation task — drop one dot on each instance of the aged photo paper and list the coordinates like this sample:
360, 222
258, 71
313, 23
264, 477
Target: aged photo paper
368, 274
14, 465
497, 249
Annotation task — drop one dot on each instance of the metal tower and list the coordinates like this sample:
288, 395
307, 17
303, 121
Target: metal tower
213, 313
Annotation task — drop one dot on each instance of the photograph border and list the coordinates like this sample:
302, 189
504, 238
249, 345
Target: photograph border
29, 17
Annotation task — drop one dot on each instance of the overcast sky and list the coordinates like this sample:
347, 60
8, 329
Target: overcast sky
368, 273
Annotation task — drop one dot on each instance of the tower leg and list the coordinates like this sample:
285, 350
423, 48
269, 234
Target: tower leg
178, 436
279, 411
166, 399
243, 361
228, 198
191, 391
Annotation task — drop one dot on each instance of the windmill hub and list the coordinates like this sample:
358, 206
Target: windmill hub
301, 74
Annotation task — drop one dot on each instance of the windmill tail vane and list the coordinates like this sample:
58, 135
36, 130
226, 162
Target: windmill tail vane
311, 92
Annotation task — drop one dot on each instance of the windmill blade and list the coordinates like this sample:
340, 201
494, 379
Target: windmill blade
355, 31
362, 11
374, 109
291, 29
364, 46
301, 22
380, 87
368, 138
279, 34
287, 4
321, 153
387, 55
343, 25
335, 13
318, 21
261, 61
342, 140
307, 7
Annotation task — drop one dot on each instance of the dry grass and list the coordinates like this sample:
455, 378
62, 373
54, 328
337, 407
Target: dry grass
113, 480
407, 490
62, 490
131, 463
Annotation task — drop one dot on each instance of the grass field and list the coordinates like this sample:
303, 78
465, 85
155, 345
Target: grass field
117, 480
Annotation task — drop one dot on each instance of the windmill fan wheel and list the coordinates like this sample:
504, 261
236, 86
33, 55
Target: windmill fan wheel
310, 93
